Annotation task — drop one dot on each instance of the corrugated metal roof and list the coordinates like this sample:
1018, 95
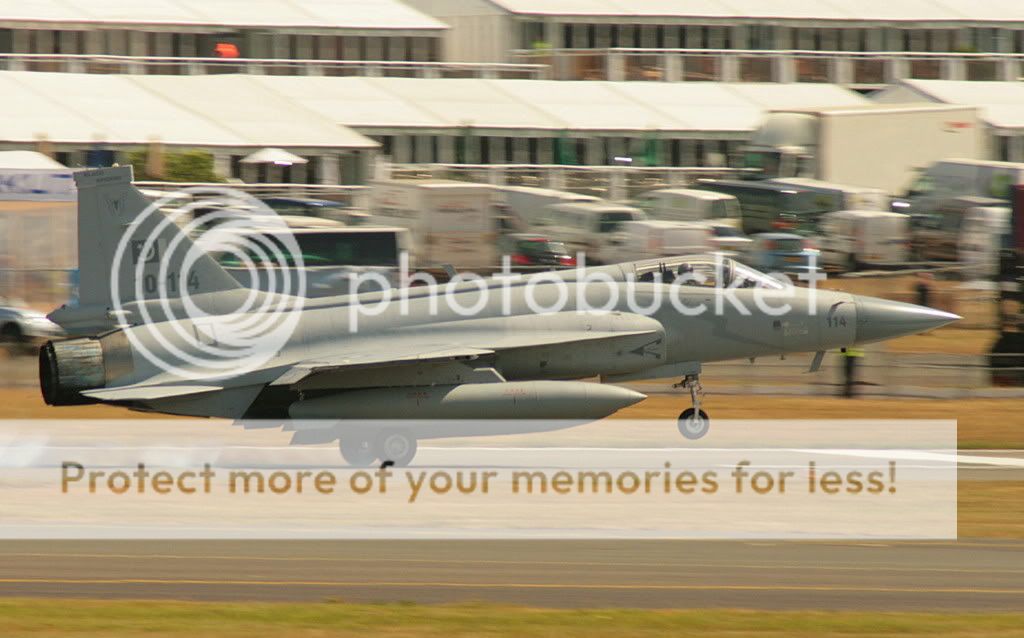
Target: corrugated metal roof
221, 110
860, 11
1001, 103
325, 14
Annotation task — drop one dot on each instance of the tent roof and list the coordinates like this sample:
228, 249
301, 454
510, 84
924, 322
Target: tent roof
294, 112
549, 105
319, 14
218, 110
861, 11
17, 160
1001, 103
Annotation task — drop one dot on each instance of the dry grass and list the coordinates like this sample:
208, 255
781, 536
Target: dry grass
153, 619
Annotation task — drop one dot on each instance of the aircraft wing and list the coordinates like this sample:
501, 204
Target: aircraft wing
401, 364
379, 358
143, 392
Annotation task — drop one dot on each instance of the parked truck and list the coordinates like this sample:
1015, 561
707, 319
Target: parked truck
958, 177
450, 222
870, 145
529, 203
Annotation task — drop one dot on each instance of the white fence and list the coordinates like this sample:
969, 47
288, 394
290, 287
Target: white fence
616, 183
154, 65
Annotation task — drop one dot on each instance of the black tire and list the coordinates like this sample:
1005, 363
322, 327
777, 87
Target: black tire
396, 446
357, 450
692, 428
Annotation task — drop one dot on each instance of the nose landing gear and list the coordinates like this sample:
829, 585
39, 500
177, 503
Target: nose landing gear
693, 422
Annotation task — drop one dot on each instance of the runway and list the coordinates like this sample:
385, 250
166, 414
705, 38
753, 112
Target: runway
933, 576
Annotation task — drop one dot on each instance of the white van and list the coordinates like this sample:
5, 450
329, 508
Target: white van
850, 197
592, 227
690, 205
852, 238
529, 203
981, 239
657, 238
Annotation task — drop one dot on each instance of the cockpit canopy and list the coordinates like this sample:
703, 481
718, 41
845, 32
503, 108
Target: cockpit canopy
704, 270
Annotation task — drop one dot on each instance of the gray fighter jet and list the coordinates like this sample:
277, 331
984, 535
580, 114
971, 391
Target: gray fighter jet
170, 317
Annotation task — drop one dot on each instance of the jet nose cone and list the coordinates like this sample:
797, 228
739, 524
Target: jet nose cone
881, 319
611, 398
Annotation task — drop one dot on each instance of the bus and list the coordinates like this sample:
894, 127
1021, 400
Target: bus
768, 207
329, 257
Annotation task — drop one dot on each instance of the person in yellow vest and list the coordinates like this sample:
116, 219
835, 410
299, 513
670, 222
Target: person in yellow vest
850, 357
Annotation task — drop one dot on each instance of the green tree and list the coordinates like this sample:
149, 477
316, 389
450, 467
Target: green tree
184, 166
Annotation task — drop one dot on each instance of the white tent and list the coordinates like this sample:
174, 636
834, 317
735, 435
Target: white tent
31, 160
863, 10
1001, 103
316, 14
277, 156
206, 111
548, 107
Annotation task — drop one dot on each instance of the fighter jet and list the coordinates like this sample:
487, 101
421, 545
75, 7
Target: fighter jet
493, 349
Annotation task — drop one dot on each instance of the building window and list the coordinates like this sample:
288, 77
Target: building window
313, 169
485, 150
1003, 148
533, 34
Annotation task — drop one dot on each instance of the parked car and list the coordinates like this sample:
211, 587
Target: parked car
783, 252
527, 249
306, 206
23, 328
726, 237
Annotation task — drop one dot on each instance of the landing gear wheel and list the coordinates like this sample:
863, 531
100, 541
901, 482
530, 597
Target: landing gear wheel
358, 451
693, 424
397, 447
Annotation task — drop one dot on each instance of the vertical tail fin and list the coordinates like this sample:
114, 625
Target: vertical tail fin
114, 216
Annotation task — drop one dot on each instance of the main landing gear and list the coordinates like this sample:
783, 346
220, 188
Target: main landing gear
362, 449
693, 422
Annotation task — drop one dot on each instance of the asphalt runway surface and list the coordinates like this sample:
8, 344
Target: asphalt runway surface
926, 576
